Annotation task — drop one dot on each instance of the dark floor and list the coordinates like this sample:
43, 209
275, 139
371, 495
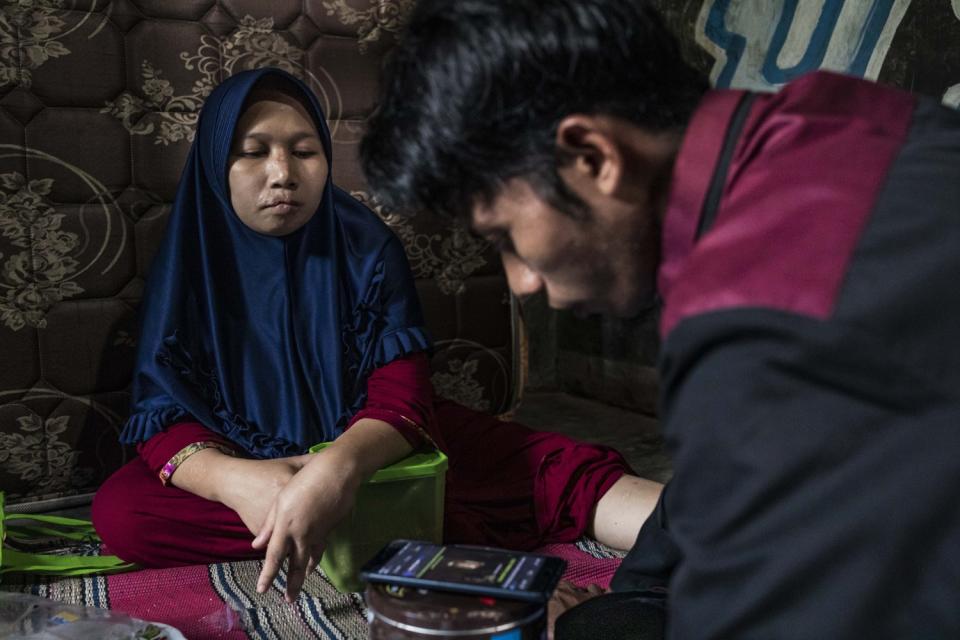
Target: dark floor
635, 435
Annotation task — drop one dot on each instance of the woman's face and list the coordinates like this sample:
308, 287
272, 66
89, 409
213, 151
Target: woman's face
277, 167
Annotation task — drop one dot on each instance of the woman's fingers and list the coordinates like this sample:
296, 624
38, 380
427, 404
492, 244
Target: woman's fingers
302, 558
276, 553
297, 562
316, 553
298, 575
297, 525
266, 530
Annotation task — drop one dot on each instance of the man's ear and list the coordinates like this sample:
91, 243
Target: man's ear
597, 160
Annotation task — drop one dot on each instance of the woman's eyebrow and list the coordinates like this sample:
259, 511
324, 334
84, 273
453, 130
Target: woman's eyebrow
296, 137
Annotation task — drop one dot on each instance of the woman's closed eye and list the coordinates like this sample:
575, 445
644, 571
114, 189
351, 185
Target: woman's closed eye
252, 153
263, 152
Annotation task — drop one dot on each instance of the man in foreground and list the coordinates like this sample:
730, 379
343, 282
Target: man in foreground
805, 248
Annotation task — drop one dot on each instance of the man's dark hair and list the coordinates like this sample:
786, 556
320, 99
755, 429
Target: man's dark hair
473, 94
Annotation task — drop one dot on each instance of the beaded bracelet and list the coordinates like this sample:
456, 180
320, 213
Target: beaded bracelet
188, 451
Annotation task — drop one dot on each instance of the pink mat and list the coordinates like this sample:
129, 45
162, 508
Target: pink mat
182, 597
587, 562
219, 601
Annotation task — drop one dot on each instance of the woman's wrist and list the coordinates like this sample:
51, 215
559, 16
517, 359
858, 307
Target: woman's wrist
229, 481
369, 445
345, 463
204, 474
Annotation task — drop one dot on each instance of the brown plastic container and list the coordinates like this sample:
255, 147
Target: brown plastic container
403, 613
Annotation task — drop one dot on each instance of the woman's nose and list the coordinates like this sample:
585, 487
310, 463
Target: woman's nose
281, 171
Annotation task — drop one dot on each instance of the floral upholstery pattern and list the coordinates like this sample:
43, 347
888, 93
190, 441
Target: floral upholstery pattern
371, 22
98, 105
39, 275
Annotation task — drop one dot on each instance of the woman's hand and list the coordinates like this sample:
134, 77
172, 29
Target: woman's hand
319, 496
250, 487
567, 596
303, 514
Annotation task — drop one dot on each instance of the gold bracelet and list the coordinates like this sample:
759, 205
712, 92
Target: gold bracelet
188, 451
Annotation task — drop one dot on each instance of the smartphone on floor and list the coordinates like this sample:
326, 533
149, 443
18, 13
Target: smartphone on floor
485, 571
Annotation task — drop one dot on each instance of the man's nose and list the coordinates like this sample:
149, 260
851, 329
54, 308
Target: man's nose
523, 280
281, 171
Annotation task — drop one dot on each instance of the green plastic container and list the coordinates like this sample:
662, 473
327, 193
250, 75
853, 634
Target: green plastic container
401, 500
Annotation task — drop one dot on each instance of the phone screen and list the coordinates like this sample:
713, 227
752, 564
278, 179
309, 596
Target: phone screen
478, 566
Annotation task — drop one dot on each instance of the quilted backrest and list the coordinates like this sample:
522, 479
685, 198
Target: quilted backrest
98, 103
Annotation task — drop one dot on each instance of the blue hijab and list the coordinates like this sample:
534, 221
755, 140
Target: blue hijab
266, 340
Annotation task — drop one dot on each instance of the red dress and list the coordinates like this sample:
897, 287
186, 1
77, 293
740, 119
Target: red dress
507, 485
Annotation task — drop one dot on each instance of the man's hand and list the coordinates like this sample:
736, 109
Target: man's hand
567, 596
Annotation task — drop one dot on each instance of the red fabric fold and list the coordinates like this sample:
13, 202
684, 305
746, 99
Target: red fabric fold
400, 394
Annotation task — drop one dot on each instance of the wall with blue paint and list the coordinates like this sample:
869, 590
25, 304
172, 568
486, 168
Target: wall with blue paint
755, 44
762, 45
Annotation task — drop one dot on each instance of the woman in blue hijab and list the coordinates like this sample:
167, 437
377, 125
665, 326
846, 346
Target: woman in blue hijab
280, 313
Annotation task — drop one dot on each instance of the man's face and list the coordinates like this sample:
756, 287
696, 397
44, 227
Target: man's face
603, 263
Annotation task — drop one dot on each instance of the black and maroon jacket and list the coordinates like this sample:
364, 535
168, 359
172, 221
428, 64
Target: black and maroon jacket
811, 368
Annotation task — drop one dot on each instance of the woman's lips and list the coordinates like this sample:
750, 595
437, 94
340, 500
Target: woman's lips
285, 206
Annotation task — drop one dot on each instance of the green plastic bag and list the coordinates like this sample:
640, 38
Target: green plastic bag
26, 528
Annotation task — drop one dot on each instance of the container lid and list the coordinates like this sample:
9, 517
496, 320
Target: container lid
450, 615
421, 464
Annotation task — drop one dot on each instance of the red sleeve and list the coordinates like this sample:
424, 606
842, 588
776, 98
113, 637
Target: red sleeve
158, 450
400, 394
